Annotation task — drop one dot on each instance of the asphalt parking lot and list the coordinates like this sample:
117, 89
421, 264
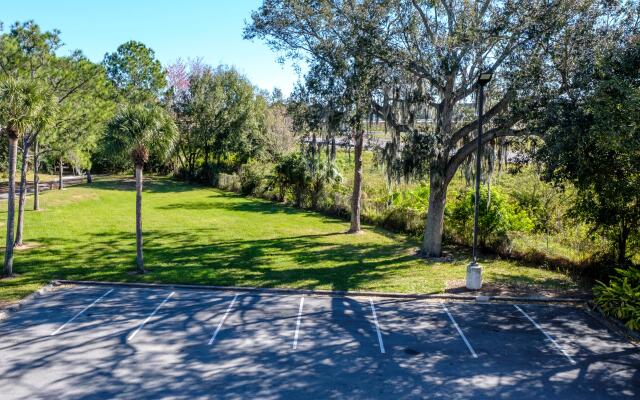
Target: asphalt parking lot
103, 342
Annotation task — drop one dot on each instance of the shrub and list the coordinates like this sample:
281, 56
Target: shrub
416, 199
251, 177
543, 203
621, 297
496, 218
230, 182
208, 174
406, 220
291, 173
323, 175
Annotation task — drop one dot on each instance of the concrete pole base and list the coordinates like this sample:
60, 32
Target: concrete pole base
474, 276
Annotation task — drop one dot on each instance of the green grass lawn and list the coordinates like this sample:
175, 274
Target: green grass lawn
199, 235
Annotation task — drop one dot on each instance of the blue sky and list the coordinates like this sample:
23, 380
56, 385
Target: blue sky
211, 30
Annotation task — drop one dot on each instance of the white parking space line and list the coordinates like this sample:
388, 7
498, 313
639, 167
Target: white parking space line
150, 316
375, 320
571, 360
295, 336
80, 313
224, 317
453, 321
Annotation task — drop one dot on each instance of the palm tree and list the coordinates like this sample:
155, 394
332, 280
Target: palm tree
135, 131
21, 104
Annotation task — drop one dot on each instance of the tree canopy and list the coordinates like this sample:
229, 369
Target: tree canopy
135, 72
592, 140
415, 64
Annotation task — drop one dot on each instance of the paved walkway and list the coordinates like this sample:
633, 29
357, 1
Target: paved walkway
67, 180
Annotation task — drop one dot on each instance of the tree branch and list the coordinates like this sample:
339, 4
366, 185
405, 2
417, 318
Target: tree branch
492, 112
466, 150
425, 21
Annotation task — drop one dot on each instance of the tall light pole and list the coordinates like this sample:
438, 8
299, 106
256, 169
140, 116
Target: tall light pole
474, 270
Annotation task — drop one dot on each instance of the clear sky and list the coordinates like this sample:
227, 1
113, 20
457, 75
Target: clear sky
211, 30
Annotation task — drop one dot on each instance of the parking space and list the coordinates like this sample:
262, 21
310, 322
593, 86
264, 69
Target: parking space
124, 342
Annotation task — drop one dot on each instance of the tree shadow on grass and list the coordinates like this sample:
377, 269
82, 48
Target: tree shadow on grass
236, 203
307, 261
151, 184
325, 261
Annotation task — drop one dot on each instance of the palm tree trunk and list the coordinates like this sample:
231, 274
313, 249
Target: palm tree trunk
36, 177
60, 183
8, 250
139, 256
357, 184
22, 198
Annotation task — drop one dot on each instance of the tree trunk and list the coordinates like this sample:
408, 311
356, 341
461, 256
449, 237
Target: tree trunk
299, 194
60, 182
89, 177
438, 181
11, 200
357, 184
332, 155
22, 198
36, 176
314, 144
139, 256
192, 166
206, 155
622, 244
432, 242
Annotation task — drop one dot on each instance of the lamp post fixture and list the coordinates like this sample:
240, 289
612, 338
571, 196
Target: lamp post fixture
474, 270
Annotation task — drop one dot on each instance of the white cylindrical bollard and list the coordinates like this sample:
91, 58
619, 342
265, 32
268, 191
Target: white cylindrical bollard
474, 276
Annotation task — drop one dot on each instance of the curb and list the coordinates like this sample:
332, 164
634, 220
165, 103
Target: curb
12, 308
612, 323
338, 293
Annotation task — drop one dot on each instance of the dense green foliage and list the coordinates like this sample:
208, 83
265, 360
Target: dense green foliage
78, 89
496, 217
593, 141
23, 106
135, 73
291, 174
620, 298
221, 118
85, 104
138, 132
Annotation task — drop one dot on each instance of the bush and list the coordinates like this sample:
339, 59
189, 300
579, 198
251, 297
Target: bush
291, 174
496, 218
545, 205
406, 220
621, 297
323, 175
251, 177
416, 199
208, 174
230, 182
